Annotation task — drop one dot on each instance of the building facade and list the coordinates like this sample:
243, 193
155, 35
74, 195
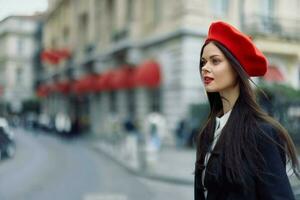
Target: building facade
17, 60
159, 41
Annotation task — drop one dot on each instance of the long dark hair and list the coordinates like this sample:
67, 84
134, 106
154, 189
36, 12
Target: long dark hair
239, 135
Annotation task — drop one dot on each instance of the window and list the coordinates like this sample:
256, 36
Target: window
83, 28
299, 75
131, 102
152, 15
98, 19
111, 16
2, 72
267, 8
2, 46
20, 45
157, 11
53, 43
66, 34
267, 16
112, 102
155, 99
130, 10
219, 7
19, 72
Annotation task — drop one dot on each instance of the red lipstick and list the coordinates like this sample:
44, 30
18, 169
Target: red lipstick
207, 80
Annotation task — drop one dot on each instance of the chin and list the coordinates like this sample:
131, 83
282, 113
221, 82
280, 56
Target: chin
208, 89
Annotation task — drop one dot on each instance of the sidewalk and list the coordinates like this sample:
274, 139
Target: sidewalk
173, 165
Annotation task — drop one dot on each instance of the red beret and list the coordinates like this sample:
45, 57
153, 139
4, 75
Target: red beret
240, 45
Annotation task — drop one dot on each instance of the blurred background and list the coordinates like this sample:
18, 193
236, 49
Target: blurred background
102, 99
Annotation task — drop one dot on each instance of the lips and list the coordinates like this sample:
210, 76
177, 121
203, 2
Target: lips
207, 80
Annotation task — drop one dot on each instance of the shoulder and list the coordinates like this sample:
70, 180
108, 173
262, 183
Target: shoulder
267, 131
267, 136
269, 142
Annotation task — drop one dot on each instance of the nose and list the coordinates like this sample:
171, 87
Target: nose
205, 69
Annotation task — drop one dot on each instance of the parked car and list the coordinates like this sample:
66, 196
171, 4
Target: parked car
7, 142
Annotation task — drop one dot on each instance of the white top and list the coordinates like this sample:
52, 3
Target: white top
220, 123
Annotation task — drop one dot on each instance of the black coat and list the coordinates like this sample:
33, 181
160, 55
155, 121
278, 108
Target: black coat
275, 184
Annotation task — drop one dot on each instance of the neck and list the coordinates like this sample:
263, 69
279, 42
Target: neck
229, 97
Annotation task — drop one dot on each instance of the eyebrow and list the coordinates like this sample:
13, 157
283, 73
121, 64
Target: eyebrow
212, 56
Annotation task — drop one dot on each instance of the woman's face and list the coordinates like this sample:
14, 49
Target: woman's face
216, 71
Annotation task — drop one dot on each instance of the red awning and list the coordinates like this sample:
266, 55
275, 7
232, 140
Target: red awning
63, 87
123, 78
77, 87
98, 83
273, 75
50, 57
85, 84
43, 91
51, 87
106, 81
148, 74
63, 53
54, 56
89, 83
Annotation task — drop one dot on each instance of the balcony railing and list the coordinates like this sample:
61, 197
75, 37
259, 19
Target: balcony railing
120, 35
267, 26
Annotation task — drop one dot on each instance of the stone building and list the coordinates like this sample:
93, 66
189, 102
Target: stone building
156, 44
19, 47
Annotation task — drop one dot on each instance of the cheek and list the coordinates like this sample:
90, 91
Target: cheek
225, 78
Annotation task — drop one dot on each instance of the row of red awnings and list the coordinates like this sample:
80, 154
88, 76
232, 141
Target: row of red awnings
54, 56
146, 75
125, 77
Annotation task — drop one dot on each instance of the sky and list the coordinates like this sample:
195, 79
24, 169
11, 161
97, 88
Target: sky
21, 7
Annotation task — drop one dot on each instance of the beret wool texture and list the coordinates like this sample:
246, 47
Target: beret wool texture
240, 45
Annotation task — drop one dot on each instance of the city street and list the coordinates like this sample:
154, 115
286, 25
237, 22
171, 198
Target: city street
48, 167
137, 90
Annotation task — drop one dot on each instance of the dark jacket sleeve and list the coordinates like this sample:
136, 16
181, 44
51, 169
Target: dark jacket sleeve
274, 183
198, 188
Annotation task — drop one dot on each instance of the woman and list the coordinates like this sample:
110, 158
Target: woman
241, 151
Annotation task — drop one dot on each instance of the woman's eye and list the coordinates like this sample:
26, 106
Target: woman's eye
216, 61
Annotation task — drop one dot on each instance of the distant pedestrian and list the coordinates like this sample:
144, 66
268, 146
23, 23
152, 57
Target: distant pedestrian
154, 137
241, 150
180, 133
129, 126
